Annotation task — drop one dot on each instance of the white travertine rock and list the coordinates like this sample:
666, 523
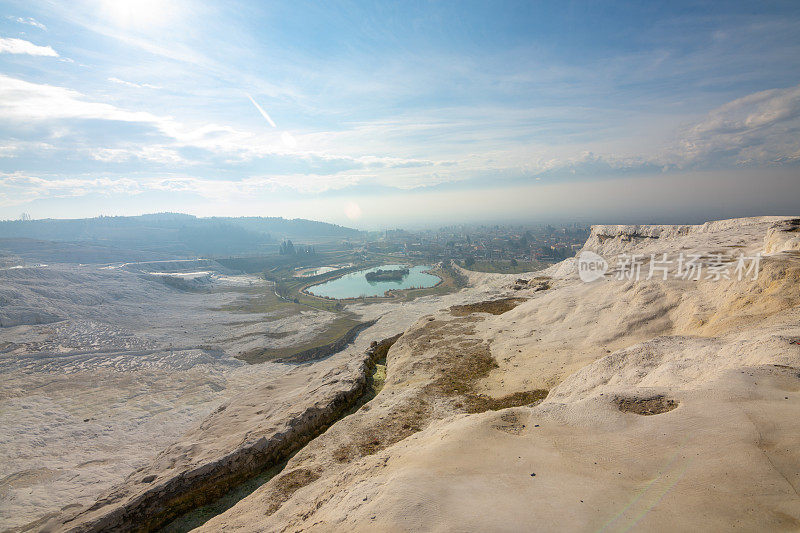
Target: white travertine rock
783, 237
422, 456
724, 352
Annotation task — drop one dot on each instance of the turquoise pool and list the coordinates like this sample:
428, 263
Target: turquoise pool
355, 285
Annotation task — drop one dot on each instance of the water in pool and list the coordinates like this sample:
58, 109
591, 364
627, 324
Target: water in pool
354, 285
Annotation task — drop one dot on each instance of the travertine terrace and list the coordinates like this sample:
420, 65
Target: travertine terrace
656, 404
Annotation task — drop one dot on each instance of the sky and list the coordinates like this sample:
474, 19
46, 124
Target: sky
381, 114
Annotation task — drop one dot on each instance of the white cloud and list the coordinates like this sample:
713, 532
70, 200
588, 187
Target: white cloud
156, 154
11, 45
760, 128
8, 150
27, 102
406, 153
132, 84
30, 21
15, 148
312, 163
18, 188
22, 100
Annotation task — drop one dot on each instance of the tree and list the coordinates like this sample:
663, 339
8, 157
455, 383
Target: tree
282, 290
287, 248
469, 261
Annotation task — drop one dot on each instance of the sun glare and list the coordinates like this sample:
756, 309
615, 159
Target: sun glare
138, 14
352, 211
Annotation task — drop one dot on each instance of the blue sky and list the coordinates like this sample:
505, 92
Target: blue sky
382, 113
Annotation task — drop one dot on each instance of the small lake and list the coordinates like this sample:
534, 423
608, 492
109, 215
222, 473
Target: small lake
354, 285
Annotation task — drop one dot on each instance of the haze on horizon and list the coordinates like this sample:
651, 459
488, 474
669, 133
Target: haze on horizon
372, 114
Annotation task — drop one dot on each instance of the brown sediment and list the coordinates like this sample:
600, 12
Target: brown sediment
472, 363
459, 365
286, 485
481, 403
495, 307
654, 405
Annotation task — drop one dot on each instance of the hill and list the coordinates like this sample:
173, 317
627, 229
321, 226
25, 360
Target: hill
172, 234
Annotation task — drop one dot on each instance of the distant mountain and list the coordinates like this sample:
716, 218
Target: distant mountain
297, 228
177, 233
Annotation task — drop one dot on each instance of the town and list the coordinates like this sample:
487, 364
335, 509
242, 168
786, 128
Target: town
490, 248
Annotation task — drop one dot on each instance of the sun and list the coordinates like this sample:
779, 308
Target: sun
138, 14
352, 211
